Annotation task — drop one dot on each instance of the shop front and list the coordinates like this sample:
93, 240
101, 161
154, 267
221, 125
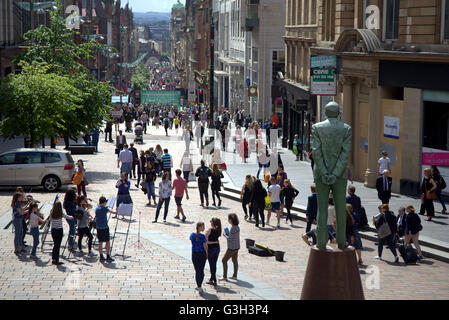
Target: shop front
298, 115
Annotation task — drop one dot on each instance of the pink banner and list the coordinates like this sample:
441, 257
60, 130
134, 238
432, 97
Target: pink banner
435, 158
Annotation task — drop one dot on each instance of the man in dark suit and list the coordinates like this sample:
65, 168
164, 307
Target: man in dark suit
383, 186
312, 208
355, 202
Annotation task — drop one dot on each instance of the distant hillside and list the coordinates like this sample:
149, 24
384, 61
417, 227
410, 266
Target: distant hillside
151, 17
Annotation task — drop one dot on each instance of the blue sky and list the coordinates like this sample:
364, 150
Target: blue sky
151, 5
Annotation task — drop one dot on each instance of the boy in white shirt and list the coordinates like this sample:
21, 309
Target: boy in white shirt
383, 163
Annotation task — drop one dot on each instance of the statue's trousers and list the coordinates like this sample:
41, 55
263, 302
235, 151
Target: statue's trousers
339, 196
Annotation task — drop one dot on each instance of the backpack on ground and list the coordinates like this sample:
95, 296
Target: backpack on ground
264, 247
258, 251
408, 253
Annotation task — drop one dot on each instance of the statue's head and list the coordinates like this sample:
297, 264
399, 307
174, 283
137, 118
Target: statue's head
332, 110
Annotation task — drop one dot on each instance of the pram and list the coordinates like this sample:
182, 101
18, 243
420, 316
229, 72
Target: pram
138, 131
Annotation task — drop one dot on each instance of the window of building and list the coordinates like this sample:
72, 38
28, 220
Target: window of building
328, 25
391, 21
446, 20
313, 5
436, 125
306, 12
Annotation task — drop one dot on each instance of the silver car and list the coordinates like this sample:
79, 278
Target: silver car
49, 168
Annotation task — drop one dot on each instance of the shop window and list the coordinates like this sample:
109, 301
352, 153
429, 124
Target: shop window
391, 21
436, 125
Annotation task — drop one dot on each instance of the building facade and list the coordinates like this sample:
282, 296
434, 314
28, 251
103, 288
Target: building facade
177, 54
249, 51
299, 106
392, 57
196, 46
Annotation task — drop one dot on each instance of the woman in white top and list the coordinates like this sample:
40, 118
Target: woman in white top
186, 166
56, 217
35, 220
237, 138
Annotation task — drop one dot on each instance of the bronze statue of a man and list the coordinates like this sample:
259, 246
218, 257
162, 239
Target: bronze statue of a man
331, 146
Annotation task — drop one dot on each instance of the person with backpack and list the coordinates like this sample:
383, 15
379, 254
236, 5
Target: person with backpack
412, 228
441, 185
166, 125
203, 173
386, 226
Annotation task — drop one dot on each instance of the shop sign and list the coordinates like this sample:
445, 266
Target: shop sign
391, 127
323, 76
324, 82
435, 158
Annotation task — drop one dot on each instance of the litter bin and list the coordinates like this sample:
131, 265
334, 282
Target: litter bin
249, 242
279, 255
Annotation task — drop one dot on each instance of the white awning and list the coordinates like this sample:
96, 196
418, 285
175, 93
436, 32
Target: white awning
231, 61
219, 73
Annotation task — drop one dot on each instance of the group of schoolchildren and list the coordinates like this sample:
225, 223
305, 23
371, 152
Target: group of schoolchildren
77, 214
279, 194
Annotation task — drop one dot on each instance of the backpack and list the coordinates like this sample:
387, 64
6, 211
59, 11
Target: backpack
268, 203
203, 175
77, 178
267, 177
442, 183
407, 252
363, 220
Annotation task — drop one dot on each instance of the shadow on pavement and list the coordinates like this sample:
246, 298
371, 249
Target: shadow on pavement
224, 290
241, 283
209, 296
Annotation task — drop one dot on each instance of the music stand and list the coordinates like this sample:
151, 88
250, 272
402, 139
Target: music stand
125, 210
138, 243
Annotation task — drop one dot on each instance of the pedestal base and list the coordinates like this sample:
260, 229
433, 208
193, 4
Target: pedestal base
332, 275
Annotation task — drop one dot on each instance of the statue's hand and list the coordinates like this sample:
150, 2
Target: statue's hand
329, 179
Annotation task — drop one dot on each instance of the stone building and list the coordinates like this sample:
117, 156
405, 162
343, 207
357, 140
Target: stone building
299, 106
196, 33
392, 60
249, 49
177, 49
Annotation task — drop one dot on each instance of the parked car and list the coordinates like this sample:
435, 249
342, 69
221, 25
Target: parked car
49, 168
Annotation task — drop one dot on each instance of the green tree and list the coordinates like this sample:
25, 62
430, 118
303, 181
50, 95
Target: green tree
63, 56
35, 103
140, 78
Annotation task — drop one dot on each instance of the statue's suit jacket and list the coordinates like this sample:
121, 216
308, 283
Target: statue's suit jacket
331, 147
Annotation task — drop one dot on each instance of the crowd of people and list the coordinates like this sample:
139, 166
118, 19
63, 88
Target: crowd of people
273, 194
